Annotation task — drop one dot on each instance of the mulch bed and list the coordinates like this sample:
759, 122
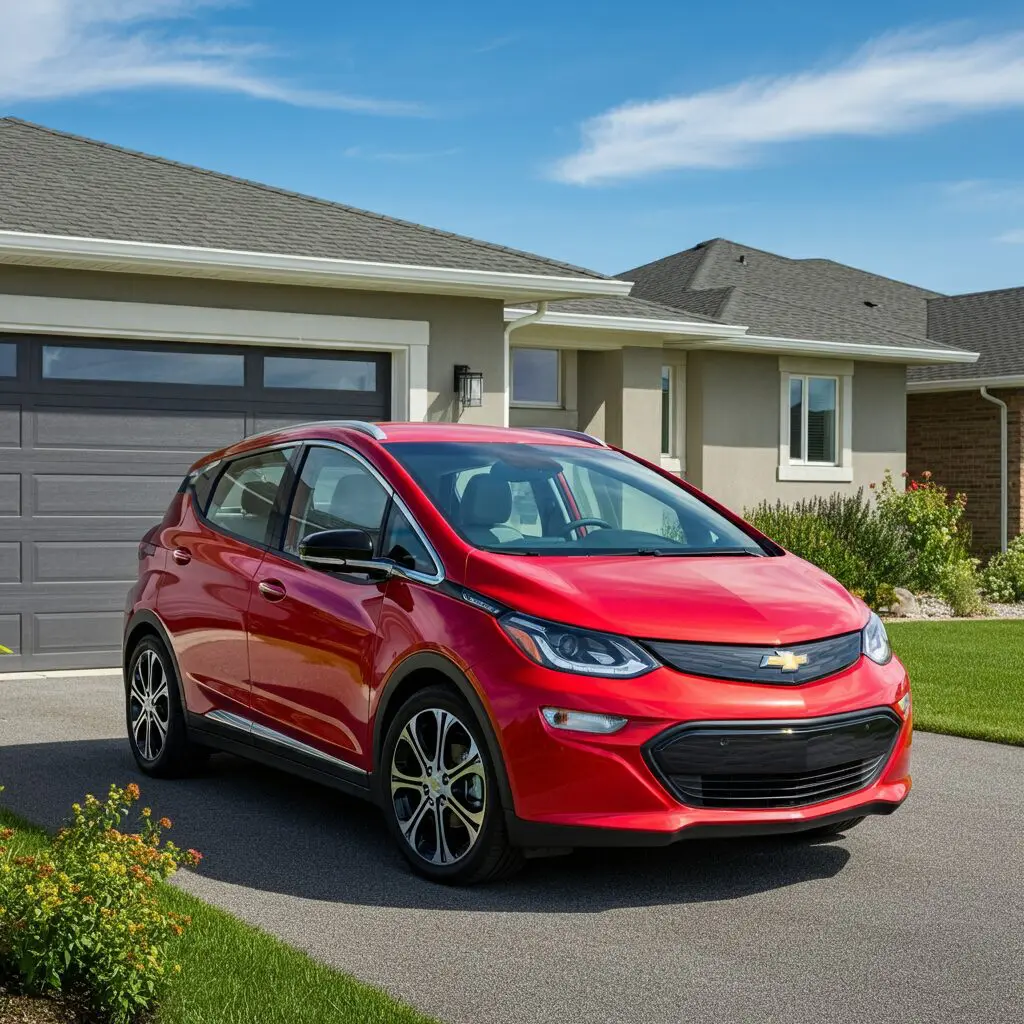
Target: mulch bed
15, 1009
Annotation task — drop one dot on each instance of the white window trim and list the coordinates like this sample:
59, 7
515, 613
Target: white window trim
407, 340
819, 472
559, 403
674, 461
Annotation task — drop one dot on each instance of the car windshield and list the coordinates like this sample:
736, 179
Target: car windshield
565, 500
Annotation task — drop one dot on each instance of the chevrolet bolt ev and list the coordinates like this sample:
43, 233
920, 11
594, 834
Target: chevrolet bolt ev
513, 641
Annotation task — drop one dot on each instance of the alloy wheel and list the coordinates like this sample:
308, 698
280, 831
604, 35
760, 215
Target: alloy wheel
438, 786
149, 705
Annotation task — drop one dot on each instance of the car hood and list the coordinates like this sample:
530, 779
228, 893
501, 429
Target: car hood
719, 599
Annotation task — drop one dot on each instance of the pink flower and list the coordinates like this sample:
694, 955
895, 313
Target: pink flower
913, 485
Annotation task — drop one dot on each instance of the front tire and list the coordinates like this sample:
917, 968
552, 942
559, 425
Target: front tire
440, 793
157, 732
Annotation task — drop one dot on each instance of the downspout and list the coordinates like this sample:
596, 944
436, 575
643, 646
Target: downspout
542, 308
1002, 464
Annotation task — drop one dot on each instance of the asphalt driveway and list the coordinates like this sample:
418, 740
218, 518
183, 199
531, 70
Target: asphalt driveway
917, 917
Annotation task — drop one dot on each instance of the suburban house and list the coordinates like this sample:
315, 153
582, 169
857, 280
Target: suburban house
151, 311
955, 418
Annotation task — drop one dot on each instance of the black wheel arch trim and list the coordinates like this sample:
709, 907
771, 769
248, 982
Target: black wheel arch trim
145, 617
433, 662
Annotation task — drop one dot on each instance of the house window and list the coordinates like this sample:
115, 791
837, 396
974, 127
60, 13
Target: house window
813, 418
536, 376
816, 422
667, 412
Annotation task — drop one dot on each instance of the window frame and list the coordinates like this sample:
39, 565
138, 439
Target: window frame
559, 402
674, 461
840, 470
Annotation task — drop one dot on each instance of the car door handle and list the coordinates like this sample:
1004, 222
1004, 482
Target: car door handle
182, 556
273, 590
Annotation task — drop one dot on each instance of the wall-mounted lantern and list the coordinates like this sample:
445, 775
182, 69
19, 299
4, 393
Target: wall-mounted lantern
469, 386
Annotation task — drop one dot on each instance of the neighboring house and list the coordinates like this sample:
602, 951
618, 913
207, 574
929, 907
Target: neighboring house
824, 361
151, 311
953, 430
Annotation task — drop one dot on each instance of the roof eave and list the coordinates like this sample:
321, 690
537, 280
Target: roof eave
281, 268
967, 383
630, 324
857, 350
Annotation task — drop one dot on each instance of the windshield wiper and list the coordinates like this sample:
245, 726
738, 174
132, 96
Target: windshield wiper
686, 552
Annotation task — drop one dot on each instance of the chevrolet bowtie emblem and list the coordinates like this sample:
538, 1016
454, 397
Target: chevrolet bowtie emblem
785, 660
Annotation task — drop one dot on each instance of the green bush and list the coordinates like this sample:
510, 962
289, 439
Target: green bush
959, 586
1003, 578
844, 536
83, 916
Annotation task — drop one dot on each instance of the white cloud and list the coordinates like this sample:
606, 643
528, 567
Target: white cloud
985, 194
51, 49
897, 83
1014, 237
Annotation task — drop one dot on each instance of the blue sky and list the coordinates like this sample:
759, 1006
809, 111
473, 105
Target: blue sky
886, 135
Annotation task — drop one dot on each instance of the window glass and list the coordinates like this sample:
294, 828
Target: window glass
78, 362
8, 360
821, 419
535, 376
666, 410
335, 491
202, 484
403, 544
244, 497
506, 484
319, 374
796, 418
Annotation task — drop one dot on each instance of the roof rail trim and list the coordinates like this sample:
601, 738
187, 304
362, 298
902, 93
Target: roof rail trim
364, 427
566, 432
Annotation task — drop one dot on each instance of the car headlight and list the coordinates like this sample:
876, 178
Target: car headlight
875, 641
567, 649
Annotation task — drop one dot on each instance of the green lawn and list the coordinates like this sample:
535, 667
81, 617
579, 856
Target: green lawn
967, 678
233, 973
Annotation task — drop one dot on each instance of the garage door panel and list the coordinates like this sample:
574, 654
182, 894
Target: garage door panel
78, 562
10, 494
10, 634
136, 430
10, 562
10, 426
85, 630
79, 495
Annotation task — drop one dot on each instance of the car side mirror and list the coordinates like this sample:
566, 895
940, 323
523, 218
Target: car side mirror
338, 549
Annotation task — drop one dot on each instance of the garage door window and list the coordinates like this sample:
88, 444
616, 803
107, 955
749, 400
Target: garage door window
319, 374
75, 362
8, 360
244, 497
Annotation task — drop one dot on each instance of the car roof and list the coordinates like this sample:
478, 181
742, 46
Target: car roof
398, 433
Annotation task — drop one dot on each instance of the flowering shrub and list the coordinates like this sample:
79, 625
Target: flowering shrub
845, 536
83, 915
1003, 578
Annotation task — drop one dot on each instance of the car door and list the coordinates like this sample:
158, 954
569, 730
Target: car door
312, 632
215, 552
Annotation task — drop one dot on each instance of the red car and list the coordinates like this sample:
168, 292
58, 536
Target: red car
513, 641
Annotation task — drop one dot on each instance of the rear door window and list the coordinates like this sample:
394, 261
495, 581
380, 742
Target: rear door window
243, 499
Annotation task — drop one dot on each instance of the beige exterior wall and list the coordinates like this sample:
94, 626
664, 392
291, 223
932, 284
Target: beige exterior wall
733, 412
462, 330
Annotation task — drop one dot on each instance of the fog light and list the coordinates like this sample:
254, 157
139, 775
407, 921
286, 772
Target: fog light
583, 721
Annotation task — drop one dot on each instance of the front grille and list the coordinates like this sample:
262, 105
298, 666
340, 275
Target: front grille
774, 764
743, 662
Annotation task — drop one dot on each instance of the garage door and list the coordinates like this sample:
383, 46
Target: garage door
94, 439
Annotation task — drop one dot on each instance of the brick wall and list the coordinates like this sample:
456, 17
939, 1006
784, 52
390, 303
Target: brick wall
955, 434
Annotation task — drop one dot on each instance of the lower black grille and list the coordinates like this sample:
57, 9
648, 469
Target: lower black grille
774, 764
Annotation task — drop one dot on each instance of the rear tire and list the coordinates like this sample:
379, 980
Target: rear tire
440, 795
157, 732
835, 829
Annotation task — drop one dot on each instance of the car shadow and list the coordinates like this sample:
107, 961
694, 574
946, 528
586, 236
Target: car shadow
268, 831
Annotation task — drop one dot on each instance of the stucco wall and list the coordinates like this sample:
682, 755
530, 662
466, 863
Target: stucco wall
733, 428
462, 330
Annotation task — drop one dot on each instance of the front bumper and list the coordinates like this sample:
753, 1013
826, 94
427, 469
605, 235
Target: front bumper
575, 789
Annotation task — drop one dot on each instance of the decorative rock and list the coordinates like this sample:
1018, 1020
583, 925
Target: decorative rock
905, 605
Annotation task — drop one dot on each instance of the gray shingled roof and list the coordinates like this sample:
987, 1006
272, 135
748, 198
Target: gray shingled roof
991, 323
626, 305
773, 295
59, 184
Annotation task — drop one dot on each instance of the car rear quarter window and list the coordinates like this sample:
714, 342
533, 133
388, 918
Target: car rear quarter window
243, 499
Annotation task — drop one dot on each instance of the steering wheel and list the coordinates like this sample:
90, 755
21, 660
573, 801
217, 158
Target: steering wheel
576, 523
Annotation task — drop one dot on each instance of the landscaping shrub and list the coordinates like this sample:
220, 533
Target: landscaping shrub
83, 917
1003, 578
845, 536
